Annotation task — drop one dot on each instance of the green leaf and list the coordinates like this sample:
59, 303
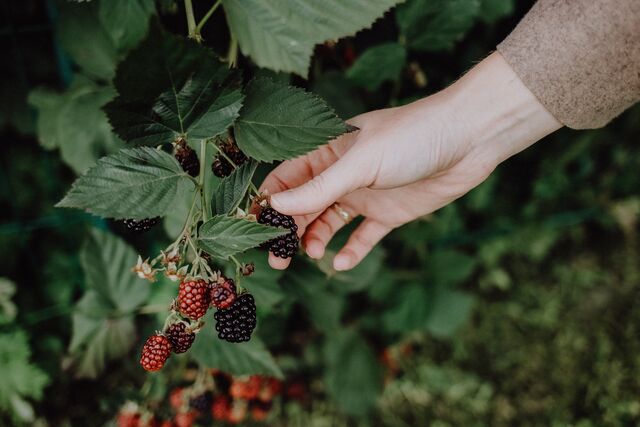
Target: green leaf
107, 261
339, 94
450, 310
135, 183
169, 86
20, 379
434, 25
82, 36
73, 122
281, 34
353, 376
311, 289
450, 267
100, 340
232, 189
280, 122
236, 358
8, 309
493, 10
223, 236
412, 309
126, 21
378, 64
438, 309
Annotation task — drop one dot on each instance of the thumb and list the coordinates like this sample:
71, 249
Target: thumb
343, 177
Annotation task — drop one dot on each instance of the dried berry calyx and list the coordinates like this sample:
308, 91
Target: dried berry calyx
193, 298
236, 323
223, 292
155, 352
187, 157
180, 337
284, 246
140, 225
221, 167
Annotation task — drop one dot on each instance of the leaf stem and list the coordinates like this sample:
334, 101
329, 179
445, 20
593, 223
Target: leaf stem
191, 21
206, 17
232, 56
238, 272
203, 199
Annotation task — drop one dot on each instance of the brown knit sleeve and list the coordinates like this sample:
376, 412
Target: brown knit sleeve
580, 58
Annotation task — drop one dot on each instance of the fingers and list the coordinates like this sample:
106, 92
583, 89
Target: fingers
341, 178
322, 230
362, 240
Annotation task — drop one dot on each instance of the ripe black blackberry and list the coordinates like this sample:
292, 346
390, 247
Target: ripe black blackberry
284, 246
236, 323
187, 158
140, 225
202, 402
179, 337
221, 166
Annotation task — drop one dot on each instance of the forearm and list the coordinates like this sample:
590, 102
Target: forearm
498, 115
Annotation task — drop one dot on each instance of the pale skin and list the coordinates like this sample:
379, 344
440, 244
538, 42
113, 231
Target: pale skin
407, 162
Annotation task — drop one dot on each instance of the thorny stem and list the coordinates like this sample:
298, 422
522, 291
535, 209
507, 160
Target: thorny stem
191, 21
206, 17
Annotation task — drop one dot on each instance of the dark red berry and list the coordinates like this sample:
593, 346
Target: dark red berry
223, 293
193, 298
180, 337
202, 403
236, 323
187, 158
284, 246
155, 353
140, 225
221, 167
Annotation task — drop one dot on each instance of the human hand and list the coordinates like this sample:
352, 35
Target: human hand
408, 161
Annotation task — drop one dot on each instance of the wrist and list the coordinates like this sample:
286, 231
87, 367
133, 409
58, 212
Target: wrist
497, 114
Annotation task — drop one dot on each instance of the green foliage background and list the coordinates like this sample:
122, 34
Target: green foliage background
516, 305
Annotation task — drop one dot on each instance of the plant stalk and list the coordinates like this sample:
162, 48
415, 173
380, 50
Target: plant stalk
206, 17
191, 20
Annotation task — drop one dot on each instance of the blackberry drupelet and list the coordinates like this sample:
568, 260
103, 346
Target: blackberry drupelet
188, 159
284, 246
236, 323
140, 225
179, 337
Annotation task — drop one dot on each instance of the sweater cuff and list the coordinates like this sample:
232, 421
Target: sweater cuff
580, 58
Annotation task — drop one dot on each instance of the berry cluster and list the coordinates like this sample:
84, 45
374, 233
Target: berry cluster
220, 398
285, 246
235, 319
221, 166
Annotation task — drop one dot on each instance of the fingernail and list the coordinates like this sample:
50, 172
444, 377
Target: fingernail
341, 262
315, 249
279, 201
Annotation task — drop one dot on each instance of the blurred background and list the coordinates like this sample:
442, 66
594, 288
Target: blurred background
516, 305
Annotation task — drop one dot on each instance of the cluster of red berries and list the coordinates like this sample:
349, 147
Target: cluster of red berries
235, 319
223, 399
